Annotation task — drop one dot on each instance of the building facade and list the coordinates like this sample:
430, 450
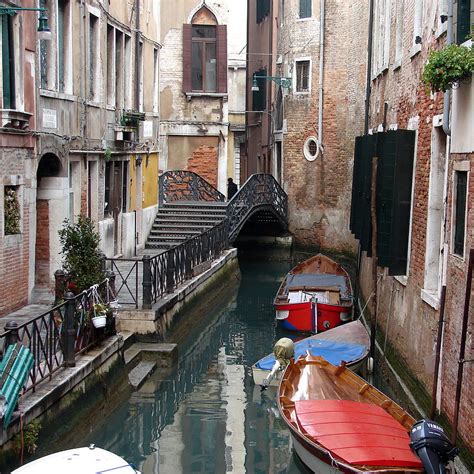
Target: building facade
439, 220
202, 88
18, 162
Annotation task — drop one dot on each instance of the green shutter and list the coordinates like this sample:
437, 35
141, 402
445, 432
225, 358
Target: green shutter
463, 29
7, 63
460, 212
394, 184
305, 8
61, 46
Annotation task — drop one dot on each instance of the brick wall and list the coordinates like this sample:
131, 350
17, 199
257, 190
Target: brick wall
204, 163
42, 270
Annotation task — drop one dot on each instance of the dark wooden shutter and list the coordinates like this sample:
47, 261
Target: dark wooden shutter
262, 10
221, 58
394, 185
357, 178
305, 8
187, 59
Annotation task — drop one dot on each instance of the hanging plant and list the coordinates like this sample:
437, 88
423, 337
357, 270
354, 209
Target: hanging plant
12, 211
448, 66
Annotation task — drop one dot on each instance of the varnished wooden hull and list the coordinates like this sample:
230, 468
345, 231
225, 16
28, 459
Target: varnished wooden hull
311, 383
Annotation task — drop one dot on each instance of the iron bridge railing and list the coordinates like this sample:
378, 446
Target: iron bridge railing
259, 192
144, 281
183, 185
58, 335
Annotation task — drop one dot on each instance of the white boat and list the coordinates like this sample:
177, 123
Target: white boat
89, 460
349, 342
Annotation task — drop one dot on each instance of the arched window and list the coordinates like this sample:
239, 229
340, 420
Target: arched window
204, 54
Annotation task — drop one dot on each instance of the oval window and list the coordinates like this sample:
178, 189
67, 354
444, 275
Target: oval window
311, 148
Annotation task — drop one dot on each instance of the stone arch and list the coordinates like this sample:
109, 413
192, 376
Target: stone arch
203, 15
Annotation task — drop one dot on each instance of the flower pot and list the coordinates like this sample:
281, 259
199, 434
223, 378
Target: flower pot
99, 321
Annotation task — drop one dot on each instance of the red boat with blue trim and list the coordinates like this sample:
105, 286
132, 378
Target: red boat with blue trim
315, 296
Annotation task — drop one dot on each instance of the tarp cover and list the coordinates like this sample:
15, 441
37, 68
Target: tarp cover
319, 280
334, 352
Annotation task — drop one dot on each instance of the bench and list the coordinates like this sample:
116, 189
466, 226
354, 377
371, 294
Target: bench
14, 369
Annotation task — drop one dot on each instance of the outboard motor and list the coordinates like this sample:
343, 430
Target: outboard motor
432, 446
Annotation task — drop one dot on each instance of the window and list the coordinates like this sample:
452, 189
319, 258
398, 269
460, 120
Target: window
305, 8
464, 14
93, 56
311, 148
12, 210
7, 62
399, 34
127, 74
204, 59
434, 227
417, 26
116, 180
263, 9
302, 76
110, 65
381, 47
282, 12
459, 212
119, 70
205, 55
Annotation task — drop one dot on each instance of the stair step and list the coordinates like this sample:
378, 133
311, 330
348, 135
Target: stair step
209, 204
138, 375
189, 232
184, 226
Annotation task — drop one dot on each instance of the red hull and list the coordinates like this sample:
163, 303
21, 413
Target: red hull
301, 316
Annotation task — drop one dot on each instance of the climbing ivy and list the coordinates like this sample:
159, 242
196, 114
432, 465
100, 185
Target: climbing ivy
12, 211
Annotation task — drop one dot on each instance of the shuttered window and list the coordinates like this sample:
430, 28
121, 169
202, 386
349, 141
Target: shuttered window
8, 70
463, 29
205, 58
263, 9
460, 212
305, 8
302, 76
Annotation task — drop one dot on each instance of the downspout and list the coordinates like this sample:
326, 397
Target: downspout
82, 77
369, 66
137, 55
447, 93
321, 72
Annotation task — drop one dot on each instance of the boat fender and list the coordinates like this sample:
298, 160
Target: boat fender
370, 365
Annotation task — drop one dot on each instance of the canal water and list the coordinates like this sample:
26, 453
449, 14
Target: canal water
205, 415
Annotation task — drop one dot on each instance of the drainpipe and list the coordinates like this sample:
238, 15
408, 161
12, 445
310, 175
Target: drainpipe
137, 55
447, 93
369, 67
321, 71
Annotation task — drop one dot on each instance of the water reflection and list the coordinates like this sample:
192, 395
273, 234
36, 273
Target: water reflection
206, 415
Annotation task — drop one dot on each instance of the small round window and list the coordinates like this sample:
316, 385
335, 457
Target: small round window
311, 148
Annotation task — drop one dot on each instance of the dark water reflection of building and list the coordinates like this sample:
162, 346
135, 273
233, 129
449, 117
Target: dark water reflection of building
207, 415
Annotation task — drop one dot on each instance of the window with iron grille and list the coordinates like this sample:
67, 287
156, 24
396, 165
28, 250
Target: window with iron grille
305, 8
302, 76
459, 217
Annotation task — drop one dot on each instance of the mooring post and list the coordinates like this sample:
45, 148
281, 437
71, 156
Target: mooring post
68, 335
59, 285
147, 283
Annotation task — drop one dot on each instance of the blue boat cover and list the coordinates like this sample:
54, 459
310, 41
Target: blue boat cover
334, 352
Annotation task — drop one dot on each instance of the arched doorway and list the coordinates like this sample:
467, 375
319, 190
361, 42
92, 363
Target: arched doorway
51, 210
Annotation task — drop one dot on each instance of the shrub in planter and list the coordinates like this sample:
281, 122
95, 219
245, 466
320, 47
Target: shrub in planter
447, 66
82, 259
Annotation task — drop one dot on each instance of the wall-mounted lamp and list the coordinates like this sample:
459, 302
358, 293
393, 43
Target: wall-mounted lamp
44, 32
443, 18
417, 39
281, 81
138, 160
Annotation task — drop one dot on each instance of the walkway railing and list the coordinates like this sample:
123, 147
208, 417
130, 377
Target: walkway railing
259, 192
56, 336
142, 282
183, 185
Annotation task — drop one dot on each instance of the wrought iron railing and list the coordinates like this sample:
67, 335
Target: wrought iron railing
183, 185
144, 281
56, 336
259, 192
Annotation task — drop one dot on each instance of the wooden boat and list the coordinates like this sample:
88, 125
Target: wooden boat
89, 460
315, 296
349, 342
340, 423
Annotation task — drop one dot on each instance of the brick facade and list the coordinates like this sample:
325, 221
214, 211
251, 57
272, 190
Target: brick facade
204, 163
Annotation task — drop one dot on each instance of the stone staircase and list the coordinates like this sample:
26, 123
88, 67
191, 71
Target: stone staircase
178, 221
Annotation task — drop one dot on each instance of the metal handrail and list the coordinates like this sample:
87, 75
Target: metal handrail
181, 185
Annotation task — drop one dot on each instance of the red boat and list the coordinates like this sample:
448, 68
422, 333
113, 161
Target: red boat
315, 296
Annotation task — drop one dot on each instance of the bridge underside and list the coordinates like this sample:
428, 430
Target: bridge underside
262, 222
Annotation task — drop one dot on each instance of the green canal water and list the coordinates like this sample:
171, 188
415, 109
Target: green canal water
205, 415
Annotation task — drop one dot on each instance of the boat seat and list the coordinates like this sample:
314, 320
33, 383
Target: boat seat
358, 433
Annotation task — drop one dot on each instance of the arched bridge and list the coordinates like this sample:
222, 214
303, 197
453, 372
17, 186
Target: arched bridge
260, 195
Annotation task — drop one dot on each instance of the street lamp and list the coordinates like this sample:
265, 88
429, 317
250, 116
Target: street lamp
43, 30
281, 81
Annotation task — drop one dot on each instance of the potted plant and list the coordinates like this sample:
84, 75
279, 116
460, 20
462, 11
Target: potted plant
100, 311
448, 66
